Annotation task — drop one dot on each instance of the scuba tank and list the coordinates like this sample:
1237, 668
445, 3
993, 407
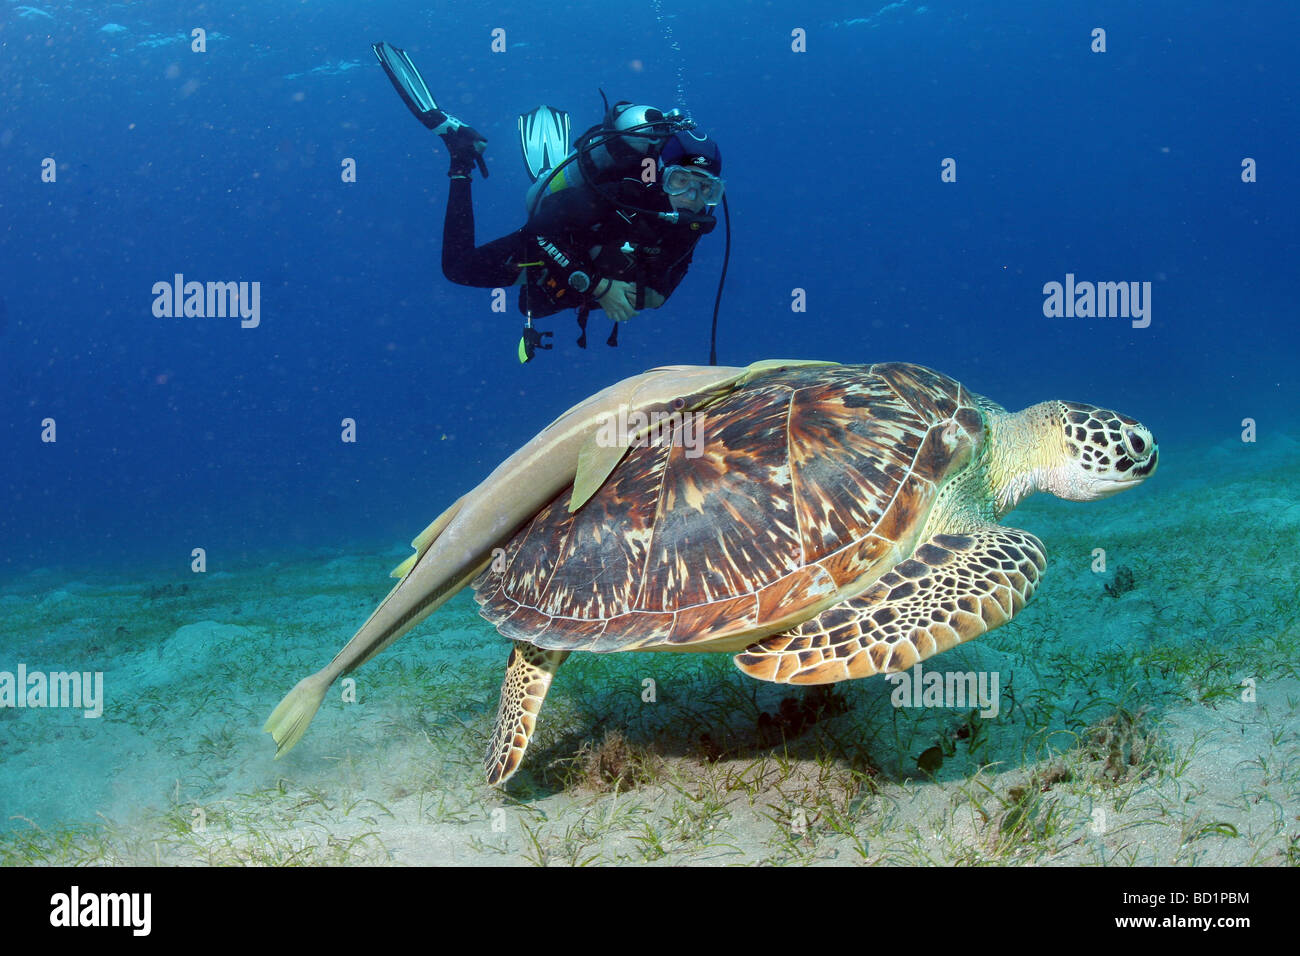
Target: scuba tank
641, 133
611, 150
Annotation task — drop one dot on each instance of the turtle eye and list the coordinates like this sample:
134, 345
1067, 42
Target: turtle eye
679, 404
1135, 443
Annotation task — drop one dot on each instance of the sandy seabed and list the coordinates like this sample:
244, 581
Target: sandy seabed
1147, 715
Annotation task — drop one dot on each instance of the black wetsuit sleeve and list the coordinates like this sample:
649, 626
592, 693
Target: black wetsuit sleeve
672, 269
664, 270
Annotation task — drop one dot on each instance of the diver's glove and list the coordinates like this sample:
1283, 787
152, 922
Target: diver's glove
618, 300
465, 143
529, 343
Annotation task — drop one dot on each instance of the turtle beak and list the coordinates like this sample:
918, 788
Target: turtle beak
1105, 487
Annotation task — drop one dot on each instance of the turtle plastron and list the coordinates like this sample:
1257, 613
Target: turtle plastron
953, 589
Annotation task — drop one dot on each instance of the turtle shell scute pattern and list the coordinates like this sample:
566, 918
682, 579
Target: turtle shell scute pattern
809, 483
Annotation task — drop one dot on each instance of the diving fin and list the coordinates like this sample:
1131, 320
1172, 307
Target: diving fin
409, 84
544, 136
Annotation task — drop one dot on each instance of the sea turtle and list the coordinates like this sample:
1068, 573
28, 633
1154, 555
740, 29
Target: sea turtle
820, 521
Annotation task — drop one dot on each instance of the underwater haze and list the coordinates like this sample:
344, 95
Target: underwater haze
210, 505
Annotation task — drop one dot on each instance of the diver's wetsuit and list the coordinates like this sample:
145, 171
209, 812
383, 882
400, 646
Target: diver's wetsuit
587, 229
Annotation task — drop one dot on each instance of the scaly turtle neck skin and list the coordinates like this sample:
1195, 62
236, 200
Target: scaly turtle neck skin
1074, 451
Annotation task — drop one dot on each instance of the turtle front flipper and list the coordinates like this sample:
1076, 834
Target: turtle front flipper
528, 678
953, 589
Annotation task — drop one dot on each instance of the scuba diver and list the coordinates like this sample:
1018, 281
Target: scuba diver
612, 223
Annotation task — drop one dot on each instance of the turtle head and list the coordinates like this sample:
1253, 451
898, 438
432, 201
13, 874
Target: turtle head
1104, 453
1076, 451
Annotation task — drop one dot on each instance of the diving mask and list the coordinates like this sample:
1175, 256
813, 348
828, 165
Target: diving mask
680, 180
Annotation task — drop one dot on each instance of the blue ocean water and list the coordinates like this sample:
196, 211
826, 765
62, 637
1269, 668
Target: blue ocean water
128, 157
175, 433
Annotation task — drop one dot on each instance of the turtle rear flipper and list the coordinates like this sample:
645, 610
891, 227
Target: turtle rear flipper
528, 678
954, 588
